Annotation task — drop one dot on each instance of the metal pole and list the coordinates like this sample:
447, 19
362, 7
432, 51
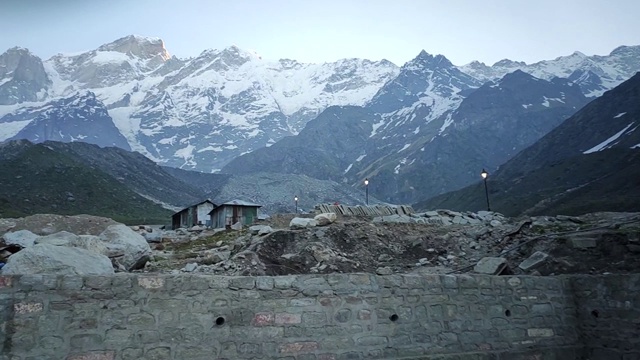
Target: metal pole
486, 191
366, 191
296, 205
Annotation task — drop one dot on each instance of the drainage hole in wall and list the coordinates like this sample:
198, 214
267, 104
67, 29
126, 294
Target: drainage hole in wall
595, 313
393, 317
507, 313
220, 321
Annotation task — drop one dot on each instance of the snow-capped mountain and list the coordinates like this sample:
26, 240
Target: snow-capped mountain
81, 117
402, 111
418, 156
199, 113
609, 71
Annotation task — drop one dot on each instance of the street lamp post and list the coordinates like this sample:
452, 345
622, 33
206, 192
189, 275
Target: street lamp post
366, 190
295, 198
484, 175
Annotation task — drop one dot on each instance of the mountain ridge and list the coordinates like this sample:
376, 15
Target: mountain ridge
203, 111
585, 164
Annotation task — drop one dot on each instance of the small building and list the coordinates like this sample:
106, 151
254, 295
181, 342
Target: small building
197, 214
229, 213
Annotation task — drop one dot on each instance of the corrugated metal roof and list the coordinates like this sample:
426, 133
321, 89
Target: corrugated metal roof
241, 203
201, 202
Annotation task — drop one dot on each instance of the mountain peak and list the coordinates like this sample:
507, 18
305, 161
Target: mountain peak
424, 60
19, 50
140, 46
236, 51
509, 63
516, 76
626, 50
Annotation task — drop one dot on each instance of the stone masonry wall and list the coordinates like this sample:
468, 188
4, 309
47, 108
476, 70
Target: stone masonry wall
336, 316
609, 315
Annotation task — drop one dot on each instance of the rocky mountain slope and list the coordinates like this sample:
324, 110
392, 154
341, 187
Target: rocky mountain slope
588, 163
120, 184
80, 117
38, 179
486, 128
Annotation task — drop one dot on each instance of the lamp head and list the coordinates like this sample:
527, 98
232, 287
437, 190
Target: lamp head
295, 198
366, 181
484, 174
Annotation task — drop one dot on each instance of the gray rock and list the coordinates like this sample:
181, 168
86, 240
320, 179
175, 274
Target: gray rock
535, 260
302, 223
384, 257
584, 242
265, 230
61, 260
91, 243
431, 213
22, 238
325, 218
403, 219
260, 230
495, 223
190, 267
61, 238
237, 226
384, 270
490, 265
255, 229
153, 236
219, 256
136, 248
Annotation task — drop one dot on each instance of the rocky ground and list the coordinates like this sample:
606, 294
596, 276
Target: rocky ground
433, 242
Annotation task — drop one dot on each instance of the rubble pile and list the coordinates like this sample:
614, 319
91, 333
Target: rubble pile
439, 241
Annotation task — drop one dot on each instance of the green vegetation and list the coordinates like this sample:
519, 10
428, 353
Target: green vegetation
36, 179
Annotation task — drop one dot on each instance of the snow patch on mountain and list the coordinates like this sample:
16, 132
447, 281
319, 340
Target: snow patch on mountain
10, 129
609, 142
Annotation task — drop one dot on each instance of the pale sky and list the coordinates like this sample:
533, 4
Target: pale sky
327, 30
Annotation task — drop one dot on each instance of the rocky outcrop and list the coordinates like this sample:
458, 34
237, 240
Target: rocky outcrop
136, 250
116, 242
302, 223
22, 77
60, 260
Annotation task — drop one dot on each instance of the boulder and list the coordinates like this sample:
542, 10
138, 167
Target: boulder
490, 265
136, 248
260, 229
60, 260
22, 238
91, 243
237, 226
302, 223
325, 218
385, 270
153, 236
265, 230
190, 267
535, 260
60, 238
